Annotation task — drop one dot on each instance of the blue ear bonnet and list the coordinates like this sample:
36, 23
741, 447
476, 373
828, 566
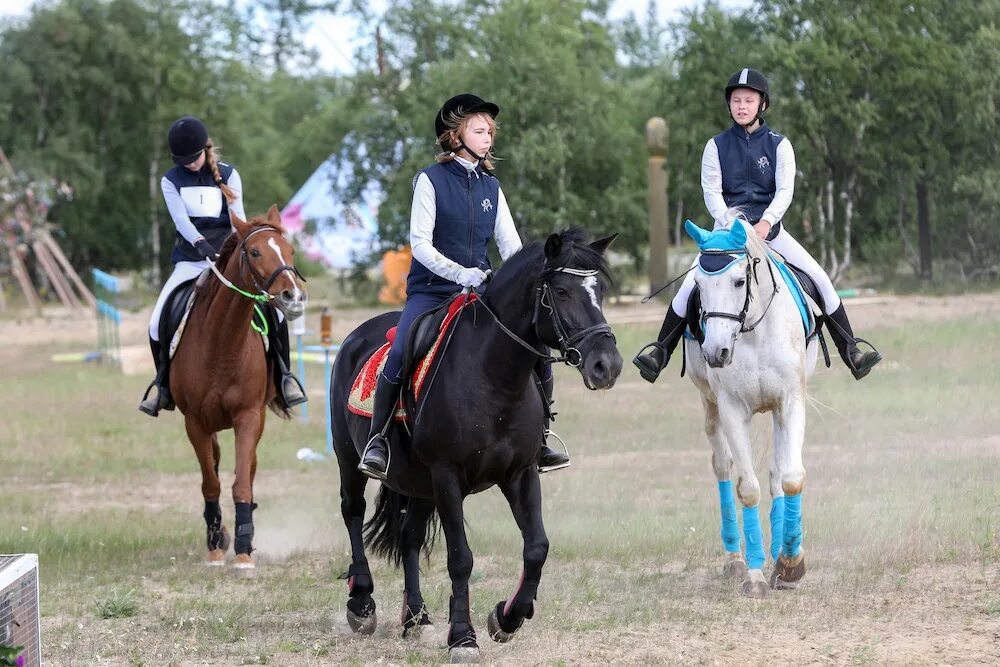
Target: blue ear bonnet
720, 249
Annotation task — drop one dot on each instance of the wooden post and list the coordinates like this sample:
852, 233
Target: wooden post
656, 142
67, 268
58, 280
21, 274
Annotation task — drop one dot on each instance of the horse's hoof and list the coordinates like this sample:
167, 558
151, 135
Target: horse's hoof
461, 655
734, 566
244, 567
497, 633
788, 572
362, 625
754, 586
215, 558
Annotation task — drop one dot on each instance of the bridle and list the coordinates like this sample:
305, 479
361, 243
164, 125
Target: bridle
568, 343
262, 296
751, 272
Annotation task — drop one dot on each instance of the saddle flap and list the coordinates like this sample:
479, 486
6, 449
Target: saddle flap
421, 337
175, 311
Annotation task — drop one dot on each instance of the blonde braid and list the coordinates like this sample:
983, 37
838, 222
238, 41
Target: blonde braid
212, 157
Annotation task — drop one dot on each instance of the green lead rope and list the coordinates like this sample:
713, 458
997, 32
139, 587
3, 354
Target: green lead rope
263, 328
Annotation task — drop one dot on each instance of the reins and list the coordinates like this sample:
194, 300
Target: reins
742, 315
263, 296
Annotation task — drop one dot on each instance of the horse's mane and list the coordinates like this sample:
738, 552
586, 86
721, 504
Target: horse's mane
575, 252
755, 245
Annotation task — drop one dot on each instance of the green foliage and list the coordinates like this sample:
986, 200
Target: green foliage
120, 603
876, 97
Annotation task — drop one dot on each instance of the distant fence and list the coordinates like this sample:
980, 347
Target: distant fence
107, 289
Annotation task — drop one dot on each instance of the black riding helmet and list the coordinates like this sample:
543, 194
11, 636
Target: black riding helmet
187, 139
754, 80
463, 104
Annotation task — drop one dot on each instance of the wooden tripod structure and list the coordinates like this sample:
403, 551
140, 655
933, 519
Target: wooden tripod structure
24, 236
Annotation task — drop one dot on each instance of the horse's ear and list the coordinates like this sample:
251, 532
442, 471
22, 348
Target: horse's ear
553, 246
238, 224
600, 245
695, 232
738, 234
274, 216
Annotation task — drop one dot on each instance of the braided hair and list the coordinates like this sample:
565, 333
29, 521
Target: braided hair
212, 155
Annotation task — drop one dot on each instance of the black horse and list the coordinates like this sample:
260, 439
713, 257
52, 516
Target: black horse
479, 422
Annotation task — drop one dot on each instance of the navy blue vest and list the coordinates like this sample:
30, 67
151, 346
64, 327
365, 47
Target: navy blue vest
466, 213
748, 162
213, 223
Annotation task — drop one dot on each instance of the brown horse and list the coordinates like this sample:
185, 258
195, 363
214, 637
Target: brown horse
221, 376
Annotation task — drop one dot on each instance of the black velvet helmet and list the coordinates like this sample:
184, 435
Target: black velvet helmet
187, 139
463, 104
752, 79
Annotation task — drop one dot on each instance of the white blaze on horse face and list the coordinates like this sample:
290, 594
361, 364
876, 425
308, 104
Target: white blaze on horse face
291, 275
590, 285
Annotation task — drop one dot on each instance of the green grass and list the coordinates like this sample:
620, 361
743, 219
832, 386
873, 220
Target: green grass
901, 511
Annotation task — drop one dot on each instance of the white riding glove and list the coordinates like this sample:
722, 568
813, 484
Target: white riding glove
473, 277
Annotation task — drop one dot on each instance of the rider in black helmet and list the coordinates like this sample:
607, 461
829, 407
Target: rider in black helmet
458, 207
199, 192
751, 167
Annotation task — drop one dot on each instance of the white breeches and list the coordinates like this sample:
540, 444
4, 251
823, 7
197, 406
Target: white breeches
183, 271
794, 253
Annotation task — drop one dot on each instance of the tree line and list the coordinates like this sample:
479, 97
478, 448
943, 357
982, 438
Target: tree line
891, 106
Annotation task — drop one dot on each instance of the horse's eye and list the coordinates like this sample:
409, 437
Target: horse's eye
254, 252
741, 282
562, 292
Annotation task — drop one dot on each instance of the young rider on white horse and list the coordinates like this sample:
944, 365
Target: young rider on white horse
752, 167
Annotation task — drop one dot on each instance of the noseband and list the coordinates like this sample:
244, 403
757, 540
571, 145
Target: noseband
751, 272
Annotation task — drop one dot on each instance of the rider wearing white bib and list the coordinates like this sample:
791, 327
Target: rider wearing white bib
199, 192
751, 167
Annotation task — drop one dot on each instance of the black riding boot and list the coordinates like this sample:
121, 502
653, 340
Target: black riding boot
375, 461
288, 386
840, 330
654, 361
154, 401
549, 459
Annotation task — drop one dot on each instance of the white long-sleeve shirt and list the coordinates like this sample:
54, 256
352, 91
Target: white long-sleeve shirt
423, 214
182, 211
784, 181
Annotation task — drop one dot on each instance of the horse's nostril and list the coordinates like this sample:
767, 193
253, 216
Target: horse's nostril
724, 354
286, 295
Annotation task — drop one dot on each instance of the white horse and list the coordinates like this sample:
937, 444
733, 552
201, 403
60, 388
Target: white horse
745, 300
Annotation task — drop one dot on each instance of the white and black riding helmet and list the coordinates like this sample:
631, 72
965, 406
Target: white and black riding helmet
754, 80
461, 105
187, 138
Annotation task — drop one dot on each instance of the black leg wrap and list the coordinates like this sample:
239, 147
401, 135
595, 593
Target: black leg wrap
216, 537
244, 527
359, 580
461, 633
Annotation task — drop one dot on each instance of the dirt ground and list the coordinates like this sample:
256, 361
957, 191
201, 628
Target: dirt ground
944, 614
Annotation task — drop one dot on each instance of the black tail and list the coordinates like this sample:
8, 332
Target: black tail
384, 531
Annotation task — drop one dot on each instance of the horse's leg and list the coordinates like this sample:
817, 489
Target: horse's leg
448, 498
206, 448
416, 622
789, 436
777, 506
525, 497
248, 427
733, 564
736, 427
360, 585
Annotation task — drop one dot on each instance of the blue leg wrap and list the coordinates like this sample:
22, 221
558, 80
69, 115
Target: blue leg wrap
754, 538
730, 529
777, 524
792, 540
